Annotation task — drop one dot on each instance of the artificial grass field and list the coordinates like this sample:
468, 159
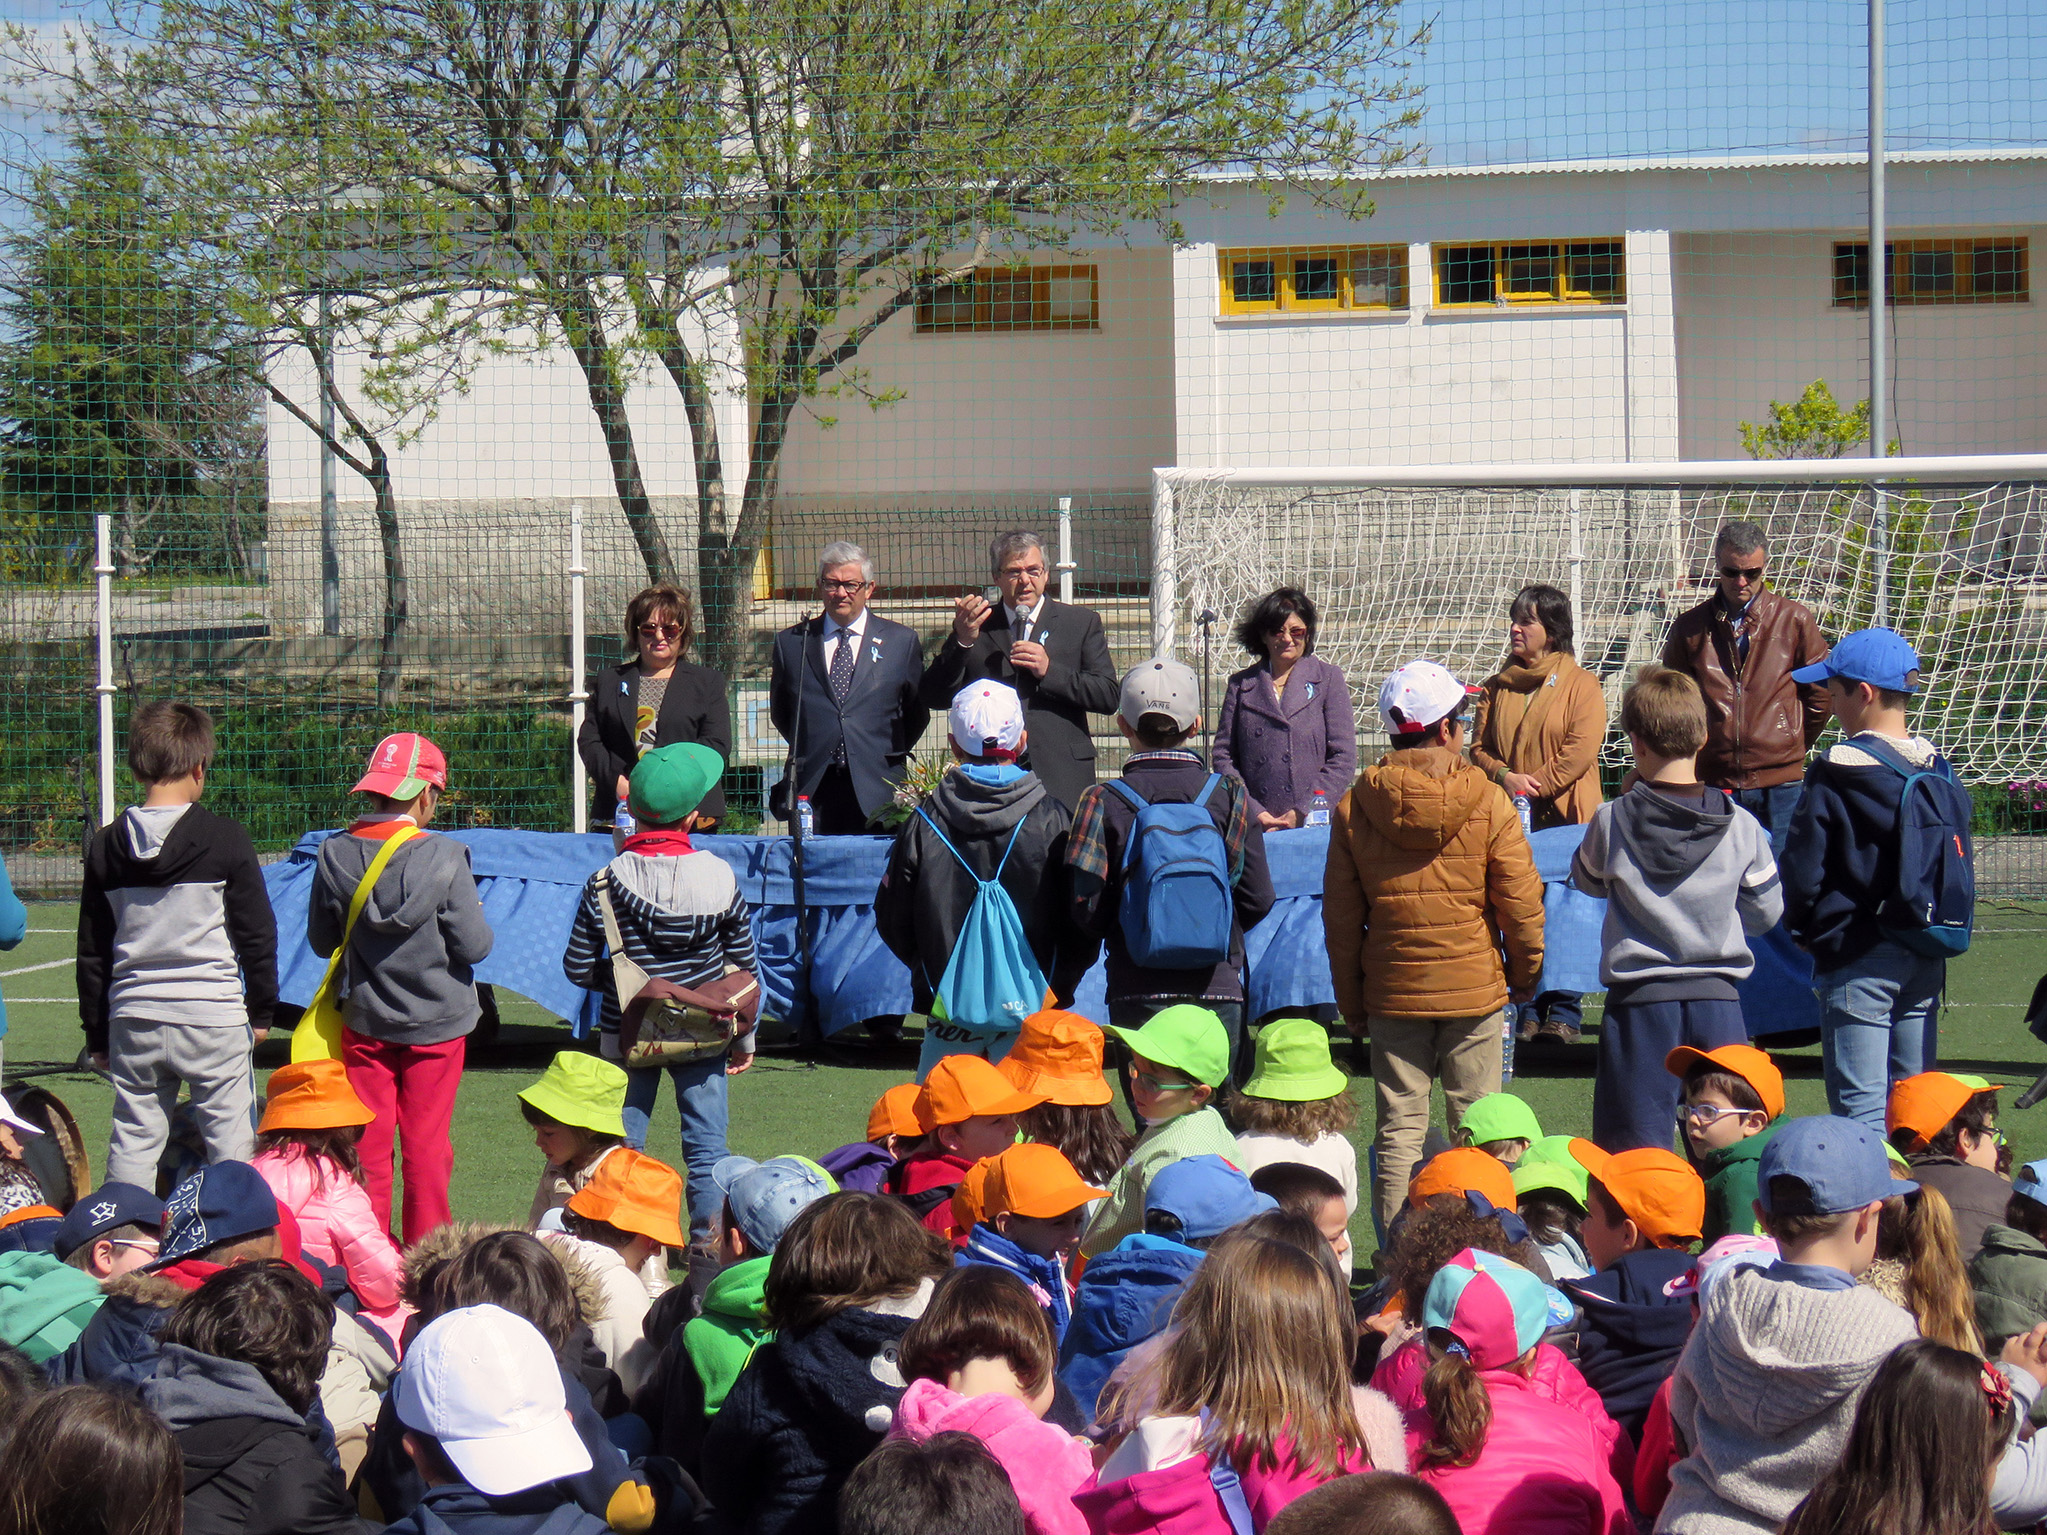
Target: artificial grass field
787, 1104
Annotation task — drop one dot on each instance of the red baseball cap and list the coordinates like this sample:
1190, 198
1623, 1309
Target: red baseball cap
403, 766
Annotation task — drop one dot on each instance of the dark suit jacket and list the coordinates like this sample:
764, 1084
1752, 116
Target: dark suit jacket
1081, 679
695, 708
1285, 752
881, 720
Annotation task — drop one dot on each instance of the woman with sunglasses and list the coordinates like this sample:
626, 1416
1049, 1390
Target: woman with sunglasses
653, 698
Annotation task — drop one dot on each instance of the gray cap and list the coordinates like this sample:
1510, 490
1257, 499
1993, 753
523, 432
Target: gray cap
1159, 686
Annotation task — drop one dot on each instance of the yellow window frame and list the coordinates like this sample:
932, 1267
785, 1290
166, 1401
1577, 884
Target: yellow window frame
1560, 255
1003, 289
1850, 295
1287, 261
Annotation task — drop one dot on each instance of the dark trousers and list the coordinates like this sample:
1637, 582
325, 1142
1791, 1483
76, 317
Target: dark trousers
1634, 1100
1134, 1012
1774, 807
834, 806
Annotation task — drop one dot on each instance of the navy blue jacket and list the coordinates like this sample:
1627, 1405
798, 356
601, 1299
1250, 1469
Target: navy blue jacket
118, 1347
454, 1509
1125, 1297
880, 721
1631, 1333
989, 1248
1840, 860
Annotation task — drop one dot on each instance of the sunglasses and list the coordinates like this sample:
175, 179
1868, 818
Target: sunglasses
662, 631
1742, 572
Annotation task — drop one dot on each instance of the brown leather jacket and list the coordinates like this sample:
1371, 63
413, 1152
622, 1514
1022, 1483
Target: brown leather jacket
1759, 723
1429, 876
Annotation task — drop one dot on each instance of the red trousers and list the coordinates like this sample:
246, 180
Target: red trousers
411, 1091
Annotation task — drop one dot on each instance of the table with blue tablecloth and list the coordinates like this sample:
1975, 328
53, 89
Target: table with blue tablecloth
529, 882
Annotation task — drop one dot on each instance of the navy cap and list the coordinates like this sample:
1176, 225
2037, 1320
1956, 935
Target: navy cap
111, 1205
1206, 1195
221, 1203
1840, 1161
1883, 658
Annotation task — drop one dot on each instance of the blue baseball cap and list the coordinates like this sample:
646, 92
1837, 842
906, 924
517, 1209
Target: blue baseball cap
1880, 657
766, 1196
1841, 1163
111, 1205
1206, 1195
221, 1203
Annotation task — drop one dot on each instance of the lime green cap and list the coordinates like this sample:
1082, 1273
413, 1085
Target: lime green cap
581, 1090
1190, 1038
671, 781
1895, 1155
1548, 1164
1501, 1117
1293, 1064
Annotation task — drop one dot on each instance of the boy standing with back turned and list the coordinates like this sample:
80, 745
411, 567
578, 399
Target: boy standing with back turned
177, 952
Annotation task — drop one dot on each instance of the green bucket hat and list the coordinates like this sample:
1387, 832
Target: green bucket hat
1184, 1036
1501, 1117
581, 1090
1293, 1064
671, 781
1548, 1164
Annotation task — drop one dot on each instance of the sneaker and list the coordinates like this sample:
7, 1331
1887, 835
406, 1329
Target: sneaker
1558, 1032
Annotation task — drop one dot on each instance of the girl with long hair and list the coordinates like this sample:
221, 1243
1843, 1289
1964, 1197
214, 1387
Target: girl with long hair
1919, 1265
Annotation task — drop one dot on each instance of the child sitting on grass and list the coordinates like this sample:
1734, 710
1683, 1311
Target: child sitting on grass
1730, 1101
1946, 1128
1060, 1054
1182, 1056
968, 1110
576, 1111
1312, 1194
1033, 1205
618, 1221
1297, 1107
892, 1134
2010, 1273
1501, 1126
1551, 1188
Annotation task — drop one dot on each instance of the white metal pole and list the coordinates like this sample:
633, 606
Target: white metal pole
1165, 585
1065, 505
1959, 468
1577, 556
1879, 312
578, 694
103, 571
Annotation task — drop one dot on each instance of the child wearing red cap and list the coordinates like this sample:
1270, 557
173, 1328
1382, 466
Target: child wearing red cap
408, 984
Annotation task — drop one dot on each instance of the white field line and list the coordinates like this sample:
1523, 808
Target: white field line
52, 964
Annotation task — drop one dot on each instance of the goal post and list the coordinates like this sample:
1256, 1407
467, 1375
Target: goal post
1423, 560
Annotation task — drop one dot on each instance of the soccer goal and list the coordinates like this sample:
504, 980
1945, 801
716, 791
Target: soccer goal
1410, 561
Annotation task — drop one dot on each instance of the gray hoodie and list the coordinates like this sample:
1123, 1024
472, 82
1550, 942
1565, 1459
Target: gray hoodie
1765, 1394
191, 1388
409, 978
1684, 886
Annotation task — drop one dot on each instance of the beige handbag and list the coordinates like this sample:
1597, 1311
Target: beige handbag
661, 1023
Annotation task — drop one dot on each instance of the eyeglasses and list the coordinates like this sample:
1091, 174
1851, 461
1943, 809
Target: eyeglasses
848, 587
1705, 1114
661, 631
1025, 573
1152, 1084
1742, 572
142, 1246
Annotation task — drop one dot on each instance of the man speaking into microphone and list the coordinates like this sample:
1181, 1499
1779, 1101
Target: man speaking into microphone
1055, 656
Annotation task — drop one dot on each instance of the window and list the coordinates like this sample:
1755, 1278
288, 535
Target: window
1991, 271
1014, 298
1541, 272
1355, 277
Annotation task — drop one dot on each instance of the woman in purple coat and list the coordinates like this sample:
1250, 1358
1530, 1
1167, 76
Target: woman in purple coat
1285, 726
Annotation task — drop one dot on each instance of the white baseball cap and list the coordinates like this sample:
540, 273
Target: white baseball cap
1160, 686
1418, 694
986, 718
9, 1115
486, 1385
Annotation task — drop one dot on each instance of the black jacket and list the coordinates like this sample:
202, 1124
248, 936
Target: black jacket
806, 1410
925, 892
696, 708
880, 721
173, 927
1840, 863
1631, 1333
1081, 679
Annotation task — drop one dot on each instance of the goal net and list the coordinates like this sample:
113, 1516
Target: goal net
1424, 562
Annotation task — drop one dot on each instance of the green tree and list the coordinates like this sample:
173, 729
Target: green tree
1811, 426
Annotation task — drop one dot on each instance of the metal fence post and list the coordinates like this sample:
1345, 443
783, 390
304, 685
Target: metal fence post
579, 695
1165, 585
103, 574
1065, 505
1577, 556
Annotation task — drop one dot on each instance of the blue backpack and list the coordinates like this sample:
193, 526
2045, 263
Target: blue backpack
992, 980
1934, 906
1176, 907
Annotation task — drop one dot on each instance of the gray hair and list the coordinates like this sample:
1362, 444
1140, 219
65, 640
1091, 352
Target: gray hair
1741, 536
840, 552
1005, 546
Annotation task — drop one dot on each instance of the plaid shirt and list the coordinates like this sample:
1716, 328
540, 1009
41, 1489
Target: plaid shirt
1087, 845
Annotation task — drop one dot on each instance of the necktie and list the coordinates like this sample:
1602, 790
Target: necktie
842, 684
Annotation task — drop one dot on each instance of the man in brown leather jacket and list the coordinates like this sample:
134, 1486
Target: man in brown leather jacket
1741, 645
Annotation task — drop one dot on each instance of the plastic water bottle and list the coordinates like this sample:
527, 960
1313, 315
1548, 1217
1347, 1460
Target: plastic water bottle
1526, 810
622, 821
1318, 810
805, 821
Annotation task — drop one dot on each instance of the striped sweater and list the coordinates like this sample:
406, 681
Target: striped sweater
680, 917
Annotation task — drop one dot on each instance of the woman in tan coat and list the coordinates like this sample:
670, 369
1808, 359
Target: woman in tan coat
1539, 725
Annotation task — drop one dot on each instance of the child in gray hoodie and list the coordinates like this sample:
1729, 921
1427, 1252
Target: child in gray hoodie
1687, 877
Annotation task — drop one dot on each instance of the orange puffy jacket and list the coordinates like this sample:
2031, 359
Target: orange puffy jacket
1429, 876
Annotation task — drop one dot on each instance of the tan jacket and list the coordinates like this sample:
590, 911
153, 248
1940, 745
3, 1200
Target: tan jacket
1429, 875
1759, 723
1551, 732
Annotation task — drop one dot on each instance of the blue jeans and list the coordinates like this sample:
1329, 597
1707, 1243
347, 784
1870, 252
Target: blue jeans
1774, 807
1879, 1022
700, 1095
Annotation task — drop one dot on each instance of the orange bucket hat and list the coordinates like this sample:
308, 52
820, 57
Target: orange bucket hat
1461, 1168
632, 1191
1059, 1054
895, 1113
312, 1095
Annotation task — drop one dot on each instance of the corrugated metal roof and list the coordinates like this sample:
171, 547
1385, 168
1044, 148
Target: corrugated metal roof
2022, 153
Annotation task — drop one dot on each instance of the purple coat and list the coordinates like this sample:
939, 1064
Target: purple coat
1284, 753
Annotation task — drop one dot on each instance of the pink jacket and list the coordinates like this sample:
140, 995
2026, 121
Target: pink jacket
1046, 1465
1179, 1499
1543, 1470
337, 1226
1555, 1378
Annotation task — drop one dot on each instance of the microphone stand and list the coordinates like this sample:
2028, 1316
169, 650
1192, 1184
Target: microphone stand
1207, 619
808, 1035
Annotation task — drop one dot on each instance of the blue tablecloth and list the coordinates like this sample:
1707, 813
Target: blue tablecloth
529, 883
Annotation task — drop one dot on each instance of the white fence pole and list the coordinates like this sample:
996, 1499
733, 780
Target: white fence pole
1165, 570
1577, 555
103, 572
1065, 505
578, 694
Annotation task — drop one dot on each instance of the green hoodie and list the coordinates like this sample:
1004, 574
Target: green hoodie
1730, 1175
44, 1303
722, 1340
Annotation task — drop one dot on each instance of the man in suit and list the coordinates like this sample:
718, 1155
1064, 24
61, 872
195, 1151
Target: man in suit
861, 714
1055, 656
